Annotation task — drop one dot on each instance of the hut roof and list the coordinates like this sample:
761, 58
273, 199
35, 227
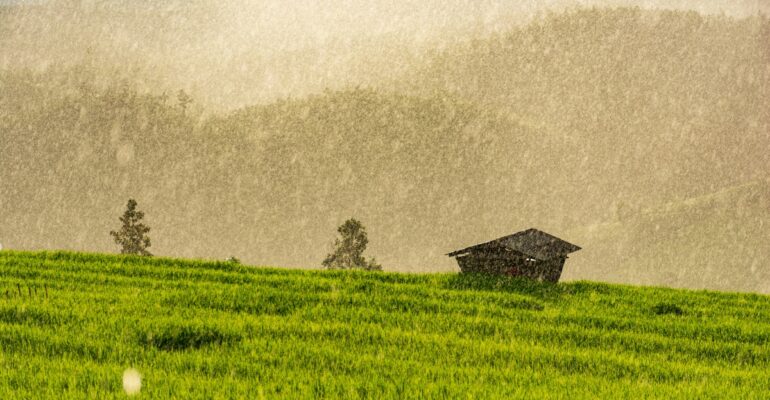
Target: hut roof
532, 242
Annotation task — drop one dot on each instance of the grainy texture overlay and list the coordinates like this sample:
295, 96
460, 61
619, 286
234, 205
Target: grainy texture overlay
254, 128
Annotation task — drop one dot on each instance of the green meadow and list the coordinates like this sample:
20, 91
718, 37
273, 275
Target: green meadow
72, 323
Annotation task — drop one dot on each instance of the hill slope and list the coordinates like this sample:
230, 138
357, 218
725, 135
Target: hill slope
640, 106
716, 241
549, 125
222, 330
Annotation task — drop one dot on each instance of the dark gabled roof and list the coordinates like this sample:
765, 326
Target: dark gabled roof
532, 242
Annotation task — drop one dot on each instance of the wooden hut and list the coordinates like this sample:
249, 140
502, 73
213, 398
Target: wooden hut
531, 253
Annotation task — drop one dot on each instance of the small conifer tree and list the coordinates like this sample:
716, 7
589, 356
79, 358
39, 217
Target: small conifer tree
132, 236
349, 248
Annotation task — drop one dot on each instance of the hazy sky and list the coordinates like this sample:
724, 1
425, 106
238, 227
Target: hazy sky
215, 48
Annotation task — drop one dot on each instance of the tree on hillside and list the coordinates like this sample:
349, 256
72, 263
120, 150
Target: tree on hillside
132, 235
349, 248
184, 99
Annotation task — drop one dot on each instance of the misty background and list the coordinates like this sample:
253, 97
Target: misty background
639, 133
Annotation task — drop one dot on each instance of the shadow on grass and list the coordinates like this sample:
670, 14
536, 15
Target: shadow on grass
175, 337
30, 316
667, 308
501, 283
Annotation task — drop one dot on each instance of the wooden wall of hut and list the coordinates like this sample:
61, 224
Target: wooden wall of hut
512, 264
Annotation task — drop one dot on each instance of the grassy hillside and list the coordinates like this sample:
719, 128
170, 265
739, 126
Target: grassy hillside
219, 330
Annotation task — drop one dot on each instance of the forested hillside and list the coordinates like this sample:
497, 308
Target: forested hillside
268, 182
640, 106
563, 124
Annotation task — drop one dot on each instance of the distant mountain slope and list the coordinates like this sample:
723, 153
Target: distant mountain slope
717, 241
638, 106
415, 170
554, 126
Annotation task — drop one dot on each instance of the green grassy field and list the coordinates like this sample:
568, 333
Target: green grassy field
221, 330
